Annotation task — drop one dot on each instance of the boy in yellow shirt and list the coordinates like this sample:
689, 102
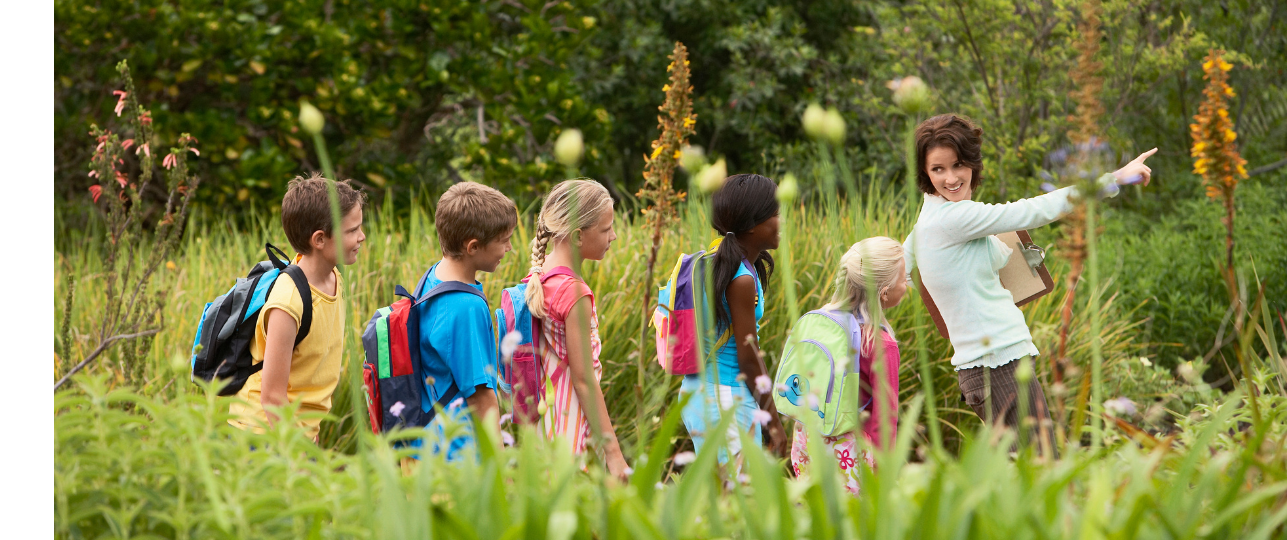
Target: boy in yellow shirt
309, 372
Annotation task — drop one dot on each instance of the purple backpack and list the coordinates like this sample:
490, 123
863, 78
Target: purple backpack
678, 340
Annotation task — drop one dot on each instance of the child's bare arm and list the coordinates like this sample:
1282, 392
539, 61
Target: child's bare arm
741, 307
587, 388
483, 402
279, 343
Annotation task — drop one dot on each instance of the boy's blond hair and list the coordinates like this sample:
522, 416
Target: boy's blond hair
306, 209
570, 206
873, 261
472, 211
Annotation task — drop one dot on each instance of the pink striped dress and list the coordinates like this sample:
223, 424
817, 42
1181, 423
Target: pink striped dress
563, 414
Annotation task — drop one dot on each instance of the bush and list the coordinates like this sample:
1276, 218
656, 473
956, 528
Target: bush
1171, 264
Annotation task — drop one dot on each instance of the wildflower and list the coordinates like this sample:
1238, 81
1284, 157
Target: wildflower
169, 161
678, 154
656, 152
195, 151
121, 178
120, 101
781, 387
1187, 371
506, 418
1121, 406
689, 122
146, 117
509, 343
127, 143
665, 88
684, 458
144, 149
456, 403
507, 439
761, 417
95, 191
763, 384
813, 402
569, 147
396, 409
1145, 361
169, 265
588, 22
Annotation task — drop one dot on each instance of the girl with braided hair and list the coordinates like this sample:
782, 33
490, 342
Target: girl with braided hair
575, 224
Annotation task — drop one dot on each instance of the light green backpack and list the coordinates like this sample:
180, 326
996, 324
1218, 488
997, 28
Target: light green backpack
817, 379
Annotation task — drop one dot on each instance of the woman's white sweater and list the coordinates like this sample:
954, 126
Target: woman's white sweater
959, 258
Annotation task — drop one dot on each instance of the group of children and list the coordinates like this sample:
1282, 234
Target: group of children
458, 341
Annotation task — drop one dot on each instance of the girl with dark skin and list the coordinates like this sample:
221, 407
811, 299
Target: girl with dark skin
744, 211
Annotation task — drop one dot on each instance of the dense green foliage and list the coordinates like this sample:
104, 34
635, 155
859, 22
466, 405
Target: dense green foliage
403, 83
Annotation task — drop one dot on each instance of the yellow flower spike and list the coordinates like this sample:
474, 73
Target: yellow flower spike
1225, 66
1242, 171
688, 122
678, 154
1228, 91
1206, 66
671, 67
665, 88
1229, 135
656, 152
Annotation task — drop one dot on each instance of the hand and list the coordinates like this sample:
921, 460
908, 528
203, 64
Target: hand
778, 442
617, 464
1136, 171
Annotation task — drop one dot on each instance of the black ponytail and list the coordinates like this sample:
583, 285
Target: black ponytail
744, 201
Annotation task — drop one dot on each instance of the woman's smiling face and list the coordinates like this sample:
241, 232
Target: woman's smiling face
952, 178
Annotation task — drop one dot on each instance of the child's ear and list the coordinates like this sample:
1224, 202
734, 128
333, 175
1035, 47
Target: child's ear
575, 237
318, 240
472, 246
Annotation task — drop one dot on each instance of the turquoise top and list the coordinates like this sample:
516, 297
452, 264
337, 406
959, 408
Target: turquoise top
726, 357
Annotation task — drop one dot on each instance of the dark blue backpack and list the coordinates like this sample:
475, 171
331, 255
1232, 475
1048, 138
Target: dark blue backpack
393, 379
221, 348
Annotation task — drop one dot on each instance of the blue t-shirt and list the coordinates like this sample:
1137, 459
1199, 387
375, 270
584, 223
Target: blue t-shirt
726, 357
457, 345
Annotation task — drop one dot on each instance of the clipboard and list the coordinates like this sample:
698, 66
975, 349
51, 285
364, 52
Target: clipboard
1024, 275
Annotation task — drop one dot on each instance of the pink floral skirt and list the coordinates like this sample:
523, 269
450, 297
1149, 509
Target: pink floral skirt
845, 449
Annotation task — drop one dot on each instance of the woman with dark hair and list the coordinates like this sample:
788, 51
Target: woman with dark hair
745, 214
954, 246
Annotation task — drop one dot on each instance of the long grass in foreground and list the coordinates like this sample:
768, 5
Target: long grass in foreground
401, 245
133, 466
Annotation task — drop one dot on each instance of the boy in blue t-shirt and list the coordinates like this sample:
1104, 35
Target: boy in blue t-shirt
457, 339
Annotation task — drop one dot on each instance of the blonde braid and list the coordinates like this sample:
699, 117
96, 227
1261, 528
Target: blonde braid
535, 296
571, 205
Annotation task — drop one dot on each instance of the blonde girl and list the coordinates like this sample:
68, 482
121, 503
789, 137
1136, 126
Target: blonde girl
575, 224
879, 261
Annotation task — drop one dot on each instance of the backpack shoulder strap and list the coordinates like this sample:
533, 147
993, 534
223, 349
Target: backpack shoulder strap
306, 296
301, 284
448, 287
557, 271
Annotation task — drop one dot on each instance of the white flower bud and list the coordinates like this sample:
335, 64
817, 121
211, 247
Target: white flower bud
833, 126
910, 94
712, 177
814, 121
788, 190
569, 147
310, 118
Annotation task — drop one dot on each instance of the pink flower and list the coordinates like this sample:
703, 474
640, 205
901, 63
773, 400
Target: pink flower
144, 149
93, 174
396, 409
120, 102
194, 151
763, 384
146, 118
121, 178
96, 190
684, 458
127, 143
761, 417
169, 161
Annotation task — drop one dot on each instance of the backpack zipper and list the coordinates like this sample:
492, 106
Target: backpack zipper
831, 377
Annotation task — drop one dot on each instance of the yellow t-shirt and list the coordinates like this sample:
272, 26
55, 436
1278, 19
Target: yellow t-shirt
315, 364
